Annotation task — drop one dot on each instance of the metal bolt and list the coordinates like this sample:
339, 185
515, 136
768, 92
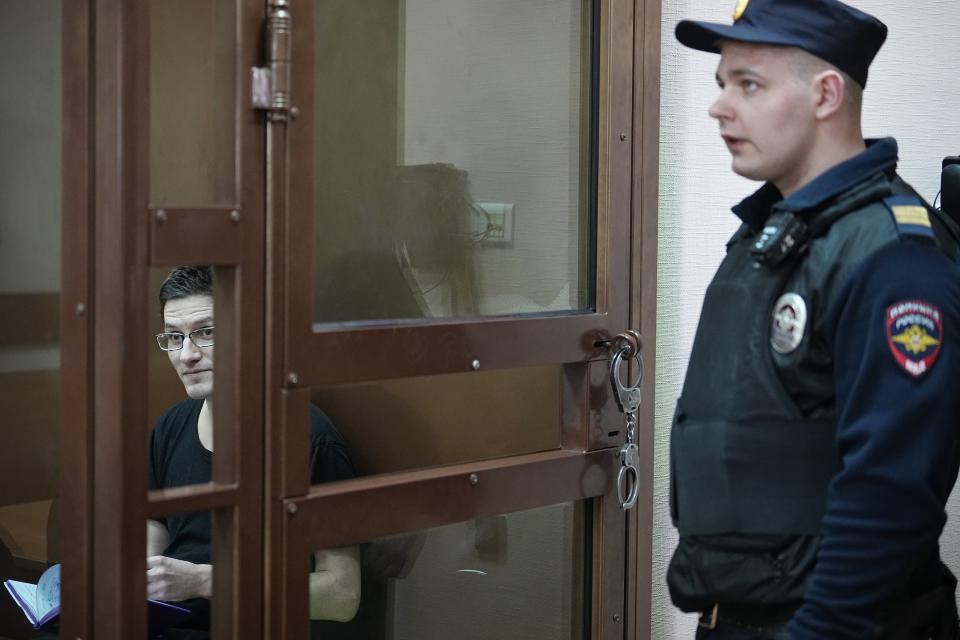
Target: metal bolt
474, 479
293, 379
616, 617
235, 216
623, 137
475, 365
294, 113
160, 215
291, 508
81, 308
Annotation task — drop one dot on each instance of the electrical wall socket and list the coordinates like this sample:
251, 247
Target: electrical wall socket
495, 229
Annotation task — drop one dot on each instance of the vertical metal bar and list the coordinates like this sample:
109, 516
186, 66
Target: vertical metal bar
610, 569
120, 281
643, 296
225, 560
75, 321
293, 201
276, 473
614, 193
248, 343
227, 436
226, 375
293, 580
282, 193
293, 456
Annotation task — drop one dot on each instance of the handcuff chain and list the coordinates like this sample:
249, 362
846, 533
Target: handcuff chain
628, 400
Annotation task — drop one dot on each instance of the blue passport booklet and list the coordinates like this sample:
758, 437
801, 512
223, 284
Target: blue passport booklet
41, 603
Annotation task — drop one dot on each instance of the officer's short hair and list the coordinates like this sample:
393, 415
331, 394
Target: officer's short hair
805, 65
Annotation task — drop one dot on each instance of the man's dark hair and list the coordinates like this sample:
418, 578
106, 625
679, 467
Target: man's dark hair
186, 281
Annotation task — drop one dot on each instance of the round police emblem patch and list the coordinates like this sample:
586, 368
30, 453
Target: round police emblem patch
789, 323
914, 335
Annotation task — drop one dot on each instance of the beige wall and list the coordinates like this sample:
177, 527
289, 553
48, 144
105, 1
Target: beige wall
29, 146
912, 94
30, 141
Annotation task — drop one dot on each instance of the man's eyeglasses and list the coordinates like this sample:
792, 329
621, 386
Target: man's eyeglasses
173, 340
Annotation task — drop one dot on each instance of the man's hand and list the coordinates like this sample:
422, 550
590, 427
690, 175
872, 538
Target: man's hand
174, 580
335, 584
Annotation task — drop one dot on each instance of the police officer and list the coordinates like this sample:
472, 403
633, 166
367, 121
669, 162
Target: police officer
815, 442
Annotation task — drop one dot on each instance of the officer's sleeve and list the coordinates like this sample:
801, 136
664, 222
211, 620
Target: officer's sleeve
895, 348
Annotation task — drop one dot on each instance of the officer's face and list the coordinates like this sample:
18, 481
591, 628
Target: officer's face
766, 114
193, 364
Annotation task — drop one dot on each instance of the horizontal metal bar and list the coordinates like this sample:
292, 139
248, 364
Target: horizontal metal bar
368, 508
343, 354
194, 497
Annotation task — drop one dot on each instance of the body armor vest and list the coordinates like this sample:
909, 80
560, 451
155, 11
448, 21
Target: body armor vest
744, 457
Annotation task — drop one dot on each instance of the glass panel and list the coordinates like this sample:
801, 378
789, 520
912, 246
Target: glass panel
180, 575
454, 180
192, 100
407, 423
521, 575
30, 140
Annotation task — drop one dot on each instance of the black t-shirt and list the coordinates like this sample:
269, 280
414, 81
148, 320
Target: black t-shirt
178, 458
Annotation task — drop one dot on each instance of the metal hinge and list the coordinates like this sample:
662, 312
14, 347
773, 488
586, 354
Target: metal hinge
270, 85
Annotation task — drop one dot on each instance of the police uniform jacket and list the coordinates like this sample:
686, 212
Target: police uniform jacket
815, 442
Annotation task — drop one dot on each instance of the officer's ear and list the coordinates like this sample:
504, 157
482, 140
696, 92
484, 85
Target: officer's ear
829, 89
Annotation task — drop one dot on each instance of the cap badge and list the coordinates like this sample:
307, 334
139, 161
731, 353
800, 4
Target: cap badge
914, 335
739, 10
789, 323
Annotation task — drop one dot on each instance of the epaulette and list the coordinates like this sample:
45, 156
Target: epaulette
911, 216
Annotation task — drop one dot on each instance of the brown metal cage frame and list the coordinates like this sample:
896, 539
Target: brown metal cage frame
113, 235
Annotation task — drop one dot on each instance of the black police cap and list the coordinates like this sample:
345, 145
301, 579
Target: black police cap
833, 31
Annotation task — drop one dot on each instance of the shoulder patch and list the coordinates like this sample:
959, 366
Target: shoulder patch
910, 215
914, 335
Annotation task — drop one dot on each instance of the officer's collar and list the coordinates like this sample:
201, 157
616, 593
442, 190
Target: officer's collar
880, 155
